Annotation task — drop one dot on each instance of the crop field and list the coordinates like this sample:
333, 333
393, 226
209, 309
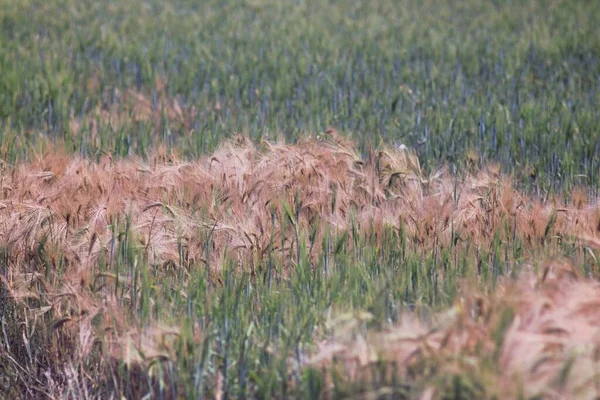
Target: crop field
299, 199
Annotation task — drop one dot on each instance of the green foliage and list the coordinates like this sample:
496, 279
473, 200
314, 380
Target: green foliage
515, 82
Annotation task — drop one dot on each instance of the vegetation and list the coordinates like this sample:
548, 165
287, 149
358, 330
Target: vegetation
177, 220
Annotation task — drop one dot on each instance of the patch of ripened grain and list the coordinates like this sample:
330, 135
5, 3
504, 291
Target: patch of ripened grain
237, 191
62, 217
537, 337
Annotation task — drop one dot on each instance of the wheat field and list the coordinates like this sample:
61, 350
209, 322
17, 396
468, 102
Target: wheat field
101, 259
318, 199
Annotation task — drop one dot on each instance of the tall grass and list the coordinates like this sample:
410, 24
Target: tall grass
147, 250
217, 277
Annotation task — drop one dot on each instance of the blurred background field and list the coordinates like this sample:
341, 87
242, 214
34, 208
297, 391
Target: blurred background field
512, 81
176, 222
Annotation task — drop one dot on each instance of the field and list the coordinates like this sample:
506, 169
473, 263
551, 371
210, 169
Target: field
303, 199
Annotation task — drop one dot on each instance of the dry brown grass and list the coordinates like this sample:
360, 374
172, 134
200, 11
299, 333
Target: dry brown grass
131, 106
538, 337
72, 203
237, 200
